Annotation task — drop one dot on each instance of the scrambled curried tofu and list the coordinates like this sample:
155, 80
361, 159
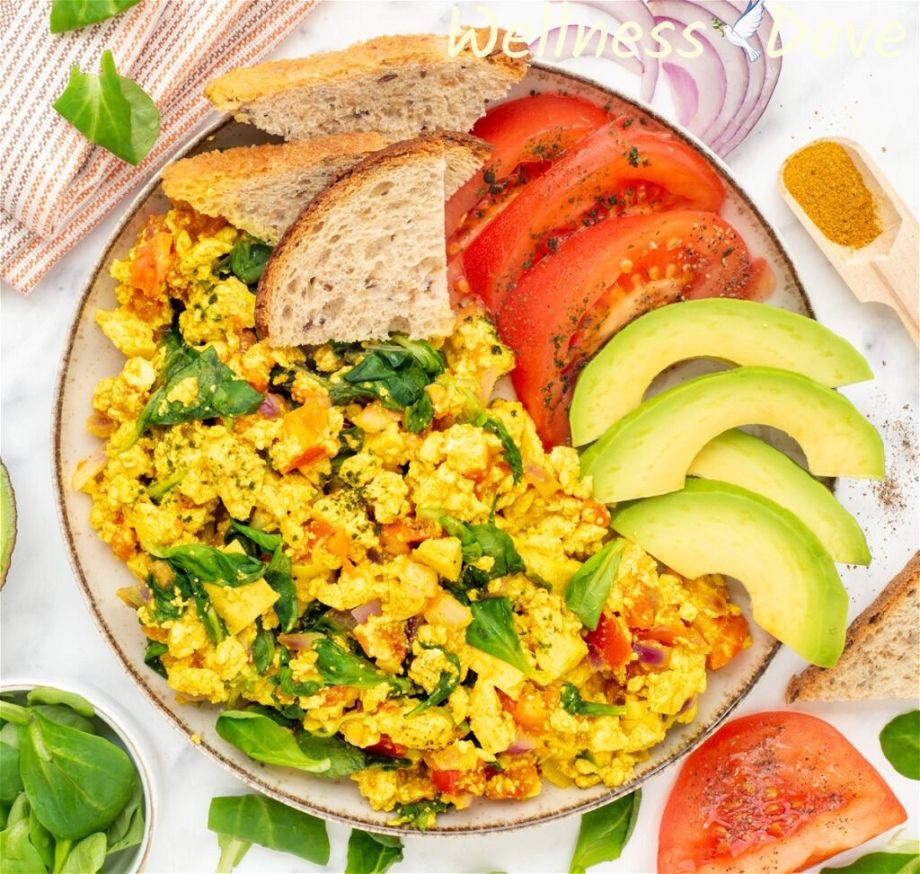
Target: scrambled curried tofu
354, 541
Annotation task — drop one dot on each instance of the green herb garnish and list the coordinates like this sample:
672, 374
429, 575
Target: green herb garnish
478, 541
588, 589
447, 682
573, 703
339, 667
420, 814
492, 631
510, 449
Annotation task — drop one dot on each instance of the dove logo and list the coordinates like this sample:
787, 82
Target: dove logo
745, 27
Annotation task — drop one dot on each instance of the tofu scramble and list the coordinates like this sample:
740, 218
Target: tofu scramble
354, 546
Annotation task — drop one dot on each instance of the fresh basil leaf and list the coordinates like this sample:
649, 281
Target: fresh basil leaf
339, 667
447, 682
63, 715
904, 860
127, 829
16, 850
111, 111
262, 739
278, 576
48, 695
344, 758
76, 782
152, 654
900, 740
420, 814
604, 832
10, 781
208, 564
510, 449
248, 259
588, 589
86, 856
492, 631
263, 649
252, 538
372, 854
74, 14
41, 839
573, 703
259, 820
483, 540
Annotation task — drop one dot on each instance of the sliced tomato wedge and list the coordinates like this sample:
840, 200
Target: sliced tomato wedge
570, 303
611, 641
613, 170
772, 792
535, 130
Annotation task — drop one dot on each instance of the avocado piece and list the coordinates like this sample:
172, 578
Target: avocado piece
7, 522
742, 460
712, 527
649, 451
740, 331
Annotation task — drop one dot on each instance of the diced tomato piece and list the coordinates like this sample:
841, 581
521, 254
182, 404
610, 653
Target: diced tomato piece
772, 792
606, 168
530, 710
640, 608
611, 641
569, 304
302, 429
152, 258
731, 636
447, 782
336, 541
386, 746
398, 537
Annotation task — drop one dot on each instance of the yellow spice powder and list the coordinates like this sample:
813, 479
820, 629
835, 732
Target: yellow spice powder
828, 186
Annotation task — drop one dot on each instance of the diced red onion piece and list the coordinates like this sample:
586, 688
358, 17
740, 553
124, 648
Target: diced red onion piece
270, 407
365, 611
522, 743
686, 705
649, 655
299, 640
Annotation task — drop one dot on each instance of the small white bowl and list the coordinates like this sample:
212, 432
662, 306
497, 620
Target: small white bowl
113, 728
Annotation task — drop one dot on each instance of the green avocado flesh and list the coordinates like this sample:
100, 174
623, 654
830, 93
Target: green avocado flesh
738, 331
7, 523
650, 450
742, 460
712, 527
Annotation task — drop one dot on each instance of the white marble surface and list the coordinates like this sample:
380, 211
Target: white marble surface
47, 630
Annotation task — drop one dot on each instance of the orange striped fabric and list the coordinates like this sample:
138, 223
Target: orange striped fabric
56, 186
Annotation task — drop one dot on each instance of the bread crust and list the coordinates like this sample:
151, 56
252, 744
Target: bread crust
406, 151
809, 685
246, 84
188, 175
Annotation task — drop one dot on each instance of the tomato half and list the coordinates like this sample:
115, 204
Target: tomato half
772, 792
533, 130
611, 171
570, 303
611, 641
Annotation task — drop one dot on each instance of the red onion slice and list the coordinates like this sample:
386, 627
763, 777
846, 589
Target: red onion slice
299, 640
270, 407
522, 743
365, 611
684, 90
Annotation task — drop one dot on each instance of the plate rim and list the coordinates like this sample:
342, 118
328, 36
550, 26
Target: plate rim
251, 778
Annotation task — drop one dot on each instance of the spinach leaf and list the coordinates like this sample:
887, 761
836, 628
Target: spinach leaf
76, 782
263, 649
256, 819
900, 858
278, 576
573, 703
900, 740
588, 589
418, 416
63, 715
74, 14
232, 852
492, 631
510, 449
208, 616
163, 601
16, 849
339, 667
287, 685
252, 539
344, 759
208, 564
10, 781
420, 814
152, 654
220, 391
604, 832
41, 839
372, 854
111, 111
248, 259
15, 713
127, 829
446, 684
86, 856
262, 739
483, 540
48, 695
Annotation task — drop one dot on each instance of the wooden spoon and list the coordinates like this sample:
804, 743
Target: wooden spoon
887, 269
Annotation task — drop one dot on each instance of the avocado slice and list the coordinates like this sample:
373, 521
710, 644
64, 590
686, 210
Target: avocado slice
739, 331
650, 450
712, 527
742, 460
7, 523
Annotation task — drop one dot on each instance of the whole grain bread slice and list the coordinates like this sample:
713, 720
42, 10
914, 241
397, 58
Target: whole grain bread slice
367, 255
261, 189
399, 86
881, 658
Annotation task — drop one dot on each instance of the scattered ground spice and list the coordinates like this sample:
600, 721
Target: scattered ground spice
828, 186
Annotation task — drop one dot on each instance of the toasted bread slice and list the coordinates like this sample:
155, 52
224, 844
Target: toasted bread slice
261, 189
881, 658
398, 85
367, 256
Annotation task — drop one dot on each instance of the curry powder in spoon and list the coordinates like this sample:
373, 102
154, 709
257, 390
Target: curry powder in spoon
828, 186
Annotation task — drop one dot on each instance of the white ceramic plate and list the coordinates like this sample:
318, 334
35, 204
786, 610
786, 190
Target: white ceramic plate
90, 357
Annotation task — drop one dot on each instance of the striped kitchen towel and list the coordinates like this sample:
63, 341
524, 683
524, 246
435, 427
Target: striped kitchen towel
56, 186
